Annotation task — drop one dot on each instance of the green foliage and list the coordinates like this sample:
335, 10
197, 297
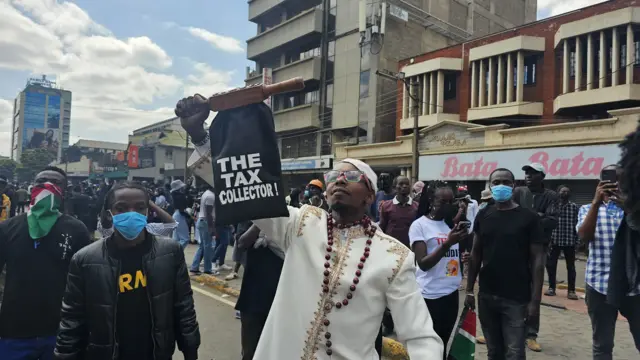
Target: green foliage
8, 168
32, 161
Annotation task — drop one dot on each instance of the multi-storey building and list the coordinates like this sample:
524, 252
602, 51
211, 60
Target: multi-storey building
338, 47
41, 118
551, 92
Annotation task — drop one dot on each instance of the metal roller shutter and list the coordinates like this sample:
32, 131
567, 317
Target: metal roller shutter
581, 190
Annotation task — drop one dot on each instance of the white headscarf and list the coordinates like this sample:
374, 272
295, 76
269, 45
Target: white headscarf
366, 169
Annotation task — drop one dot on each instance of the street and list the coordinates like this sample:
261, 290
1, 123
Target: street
564, 334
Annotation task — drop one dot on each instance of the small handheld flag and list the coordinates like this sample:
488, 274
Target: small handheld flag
463, 346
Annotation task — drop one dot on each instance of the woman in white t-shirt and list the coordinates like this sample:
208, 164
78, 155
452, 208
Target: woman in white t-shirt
435, 245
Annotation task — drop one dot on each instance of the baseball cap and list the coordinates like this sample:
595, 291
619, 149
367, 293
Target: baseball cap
535, 167
316, 183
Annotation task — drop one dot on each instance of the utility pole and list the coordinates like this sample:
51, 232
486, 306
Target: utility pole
413, 89
186, 158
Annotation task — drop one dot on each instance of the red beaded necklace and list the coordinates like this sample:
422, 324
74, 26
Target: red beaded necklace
369, 230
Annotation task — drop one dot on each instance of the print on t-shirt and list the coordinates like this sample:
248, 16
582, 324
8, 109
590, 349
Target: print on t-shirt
131, 282
444, 278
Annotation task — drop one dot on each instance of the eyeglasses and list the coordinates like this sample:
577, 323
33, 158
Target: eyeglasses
352, 176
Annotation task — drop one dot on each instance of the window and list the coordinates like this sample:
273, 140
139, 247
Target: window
364, 84
623, 56
572, 63
450, 86
168, 153
637, 52
530, 70
329, 95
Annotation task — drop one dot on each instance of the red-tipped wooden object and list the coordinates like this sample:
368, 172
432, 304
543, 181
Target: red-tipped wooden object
252, 94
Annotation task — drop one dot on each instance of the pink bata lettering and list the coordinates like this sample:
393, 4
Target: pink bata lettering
476, 169
574, 166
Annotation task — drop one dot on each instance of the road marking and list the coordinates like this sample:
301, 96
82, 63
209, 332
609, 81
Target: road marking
212, 296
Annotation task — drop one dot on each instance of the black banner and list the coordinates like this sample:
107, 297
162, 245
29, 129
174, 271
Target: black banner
246, 165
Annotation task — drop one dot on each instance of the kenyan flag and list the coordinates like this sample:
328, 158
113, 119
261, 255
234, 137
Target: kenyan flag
463, 346
44, 210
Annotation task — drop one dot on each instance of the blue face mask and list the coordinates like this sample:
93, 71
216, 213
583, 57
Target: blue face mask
307, 193
129, 224
501, 193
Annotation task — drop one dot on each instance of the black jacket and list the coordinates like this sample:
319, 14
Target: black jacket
87, 325
545, 203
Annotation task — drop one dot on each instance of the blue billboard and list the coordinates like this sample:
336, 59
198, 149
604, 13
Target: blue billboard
41, 122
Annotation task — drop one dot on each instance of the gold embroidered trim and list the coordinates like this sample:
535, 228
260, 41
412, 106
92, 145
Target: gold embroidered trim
306, 211
402, 252
325, 304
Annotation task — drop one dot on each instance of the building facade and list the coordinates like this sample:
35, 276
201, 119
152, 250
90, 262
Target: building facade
41, 118
561, 91
158, 152
344, 101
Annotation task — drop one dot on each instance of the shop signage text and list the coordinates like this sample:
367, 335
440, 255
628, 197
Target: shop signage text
578, 162
447, 140
309, 164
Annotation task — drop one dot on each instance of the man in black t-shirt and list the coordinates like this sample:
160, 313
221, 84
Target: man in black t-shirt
508, 254
36, 249
259, 285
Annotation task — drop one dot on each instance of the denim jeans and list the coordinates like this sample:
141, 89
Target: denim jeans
603, 321
181, 232
503, 325
223, 236
205, 250
40, 348
533, 327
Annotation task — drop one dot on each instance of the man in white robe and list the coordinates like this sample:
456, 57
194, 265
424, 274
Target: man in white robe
308, 320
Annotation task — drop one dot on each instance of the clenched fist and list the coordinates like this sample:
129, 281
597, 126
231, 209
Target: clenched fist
193, 111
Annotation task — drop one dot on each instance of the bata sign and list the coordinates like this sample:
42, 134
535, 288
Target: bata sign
577, 162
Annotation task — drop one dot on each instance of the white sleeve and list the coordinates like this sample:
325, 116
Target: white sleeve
280, 230
161, 229
200, 163
415, 233
411, 317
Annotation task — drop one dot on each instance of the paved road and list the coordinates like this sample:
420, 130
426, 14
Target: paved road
565, 334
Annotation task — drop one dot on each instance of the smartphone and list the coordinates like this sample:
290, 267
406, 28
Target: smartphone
609, 175
465, 224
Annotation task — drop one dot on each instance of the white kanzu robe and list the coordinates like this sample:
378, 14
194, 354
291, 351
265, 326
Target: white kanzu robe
294, 328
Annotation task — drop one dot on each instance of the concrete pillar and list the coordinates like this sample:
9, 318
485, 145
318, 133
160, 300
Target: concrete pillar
565, 66
440, 85
631, 51
405, 103
615, 57
520, 78
602, 81
425, 94
482, 83
500, 95
474, 84
590, 55
578, 64
412, 102
509, 78
432, 93
492, 83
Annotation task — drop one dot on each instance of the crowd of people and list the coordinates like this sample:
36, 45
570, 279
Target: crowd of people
360, 256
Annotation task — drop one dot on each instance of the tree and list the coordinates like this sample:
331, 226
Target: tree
32, 161
8, 168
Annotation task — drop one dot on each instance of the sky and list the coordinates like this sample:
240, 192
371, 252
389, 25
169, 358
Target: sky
128, 62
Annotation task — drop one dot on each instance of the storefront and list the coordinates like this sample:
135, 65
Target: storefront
299, 172
575, 166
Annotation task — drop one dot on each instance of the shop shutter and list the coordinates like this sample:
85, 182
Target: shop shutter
581, 190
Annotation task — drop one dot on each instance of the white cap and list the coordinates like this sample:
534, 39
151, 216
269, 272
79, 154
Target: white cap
535, 167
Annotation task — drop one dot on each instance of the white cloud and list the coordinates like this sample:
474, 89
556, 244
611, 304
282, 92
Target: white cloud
224, 43
109, 77
557, 7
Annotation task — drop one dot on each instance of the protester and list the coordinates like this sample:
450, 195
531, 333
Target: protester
151, 291
437, 254
239, 254
259, 284
386, 193
313, 194
397, 215
295, 197
323, 325
486, 199
181, 234
205, 226
80, 207
598, 224
564, 239
22, 197
417, 190
544, 203
5, 203
36, 249
508, 253
223, 239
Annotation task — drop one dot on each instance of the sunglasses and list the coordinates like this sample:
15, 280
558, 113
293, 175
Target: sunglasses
352, 176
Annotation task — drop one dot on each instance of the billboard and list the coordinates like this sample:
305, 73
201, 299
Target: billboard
41, 128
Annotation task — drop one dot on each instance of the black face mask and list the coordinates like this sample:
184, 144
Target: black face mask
564, 196
446, 212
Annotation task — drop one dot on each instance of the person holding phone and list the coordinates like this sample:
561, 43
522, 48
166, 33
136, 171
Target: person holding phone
599, 224
437, 253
